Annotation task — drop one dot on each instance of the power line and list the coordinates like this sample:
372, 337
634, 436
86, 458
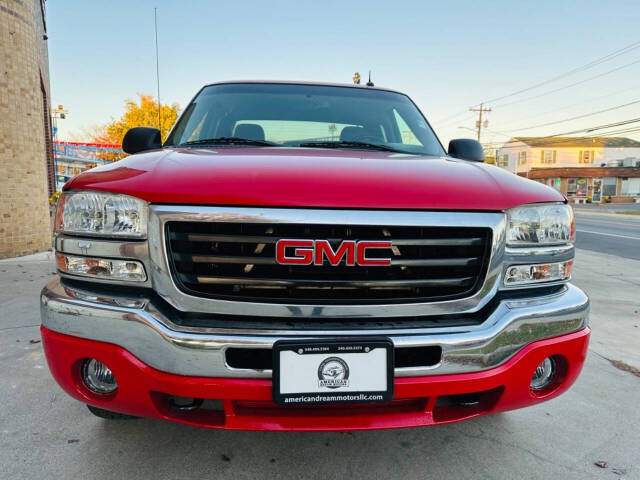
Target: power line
582, 102
450, 117
447, 120
549, 92
586, 66
552, 140
591, 64
574, 118
462, 120
599, 127
490, 131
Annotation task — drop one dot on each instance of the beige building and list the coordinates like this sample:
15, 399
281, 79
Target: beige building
584, 169
26, 154
523, 154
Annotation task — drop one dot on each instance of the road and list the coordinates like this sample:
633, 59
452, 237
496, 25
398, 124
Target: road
616, 234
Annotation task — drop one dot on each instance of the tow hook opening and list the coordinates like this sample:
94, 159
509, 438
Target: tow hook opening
184, 404
206, 412
456, 407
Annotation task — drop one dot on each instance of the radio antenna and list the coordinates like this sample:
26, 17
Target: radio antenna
155, 18
369, 83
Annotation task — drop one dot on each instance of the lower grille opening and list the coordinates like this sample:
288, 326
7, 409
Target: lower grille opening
261, 358
450, 408
398, 406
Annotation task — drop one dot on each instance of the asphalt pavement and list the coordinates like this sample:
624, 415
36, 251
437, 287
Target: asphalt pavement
608, 232
44, 434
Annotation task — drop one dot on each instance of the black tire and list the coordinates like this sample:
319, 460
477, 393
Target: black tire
99, 412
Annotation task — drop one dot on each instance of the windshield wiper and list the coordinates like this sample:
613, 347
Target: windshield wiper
229, 141
350, 144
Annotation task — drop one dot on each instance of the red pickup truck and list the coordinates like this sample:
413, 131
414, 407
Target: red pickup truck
301, 256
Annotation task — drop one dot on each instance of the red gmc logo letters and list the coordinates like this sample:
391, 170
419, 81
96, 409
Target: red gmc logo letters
307, 252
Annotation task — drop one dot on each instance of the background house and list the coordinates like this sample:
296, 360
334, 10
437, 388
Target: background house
594, 168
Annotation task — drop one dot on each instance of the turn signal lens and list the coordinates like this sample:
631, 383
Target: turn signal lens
547, 272
102, 268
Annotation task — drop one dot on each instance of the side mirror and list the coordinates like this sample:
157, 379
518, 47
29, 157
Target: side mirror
140, 139
466, 149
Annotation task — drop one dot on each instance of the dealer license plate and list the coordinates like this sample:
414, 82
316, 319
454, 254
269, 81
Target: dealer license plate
332, 371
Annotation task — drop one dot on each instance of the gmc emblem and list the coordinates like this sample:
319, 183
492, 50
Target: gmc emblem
307, 252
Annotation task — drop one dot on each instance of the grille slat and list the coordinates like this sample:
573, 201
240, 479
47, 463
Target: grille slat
416, 262
273, 239
324, 283
237, 261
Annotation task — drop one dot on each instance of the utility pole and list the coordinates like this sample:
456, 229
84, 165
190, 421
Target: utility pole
56, 113
479, 121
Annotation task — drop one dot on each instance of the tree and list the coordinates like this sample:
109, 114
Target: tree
142, 114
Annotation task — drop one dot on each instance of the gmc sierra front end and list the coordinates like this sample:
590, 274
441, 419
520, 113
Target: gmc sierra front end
308, 257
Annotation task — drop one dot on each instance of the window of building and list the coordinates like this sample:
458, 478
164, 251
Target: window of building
586, 156
609, 186
630, 187
555, 183
522, 158
577, 187
503, 160
547, 156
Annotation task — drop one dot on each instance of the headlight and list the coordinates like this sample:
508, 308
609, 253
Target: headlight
550, 224
102, 214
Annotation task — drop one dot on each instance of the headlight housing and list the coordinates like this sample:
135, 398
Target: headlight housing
102, 214
545, 224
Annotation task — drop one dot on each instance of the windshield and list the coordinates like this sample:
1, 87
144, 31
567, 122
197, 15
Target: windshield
305, 116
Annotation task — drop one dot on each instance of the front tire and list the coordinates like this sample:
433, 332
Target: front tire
99, 412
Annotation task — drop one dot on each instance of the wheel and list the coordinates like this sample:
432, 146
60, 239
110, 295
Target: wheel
99, 412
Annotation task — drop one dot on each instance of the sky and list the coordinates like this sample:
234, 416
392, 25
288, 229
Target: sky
446, 55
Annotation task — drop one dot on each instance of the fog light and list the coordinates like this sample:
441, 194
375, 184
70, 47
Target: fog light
98, 377
545, 374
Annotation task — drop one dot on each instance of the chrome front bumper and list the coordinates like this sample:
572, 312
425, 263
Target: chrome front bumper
138, 325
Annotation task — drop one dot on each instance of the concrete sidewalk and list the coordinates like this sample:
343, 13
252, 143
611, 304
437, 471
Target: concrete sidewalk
613, 285
46, 434
606, 207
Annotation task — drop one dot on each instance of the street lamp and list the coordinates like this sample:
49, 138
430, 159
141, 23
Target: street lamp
56, 113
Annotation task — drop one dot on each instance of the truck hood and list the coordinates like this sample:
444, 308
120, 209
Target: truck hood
303, 177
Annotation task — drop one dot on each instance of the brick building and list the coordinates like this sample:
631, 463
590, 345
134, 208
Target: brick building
26, 151
595, 184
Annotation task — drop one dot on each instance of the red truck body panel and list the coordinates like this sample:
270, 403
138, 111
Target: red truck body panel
247, 403
304, 177
327, 178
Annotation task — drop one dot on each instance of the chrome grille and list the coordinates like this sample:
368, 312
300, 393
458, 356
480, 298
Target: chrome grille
229, 260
